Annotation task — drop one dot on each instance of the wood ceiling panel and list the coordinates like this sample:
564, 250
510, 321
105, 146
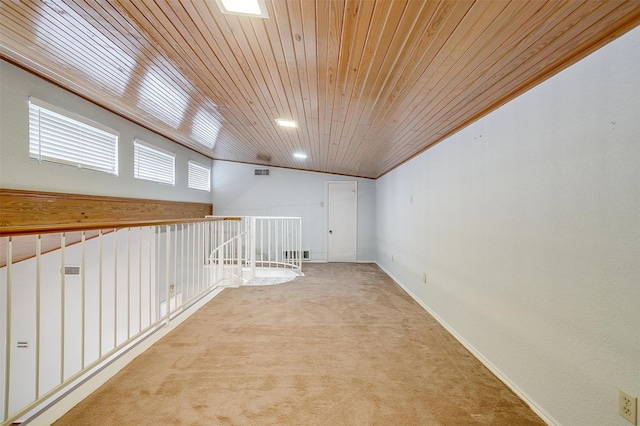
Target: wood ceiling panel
433, 39
371, 83
304, 25
509, 81
350, 94
453, 73
233, 73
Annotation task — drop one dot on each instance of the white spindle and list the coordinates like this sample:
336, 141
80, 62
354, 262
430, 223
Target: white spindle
83, 264
38, 311
252, 251
7, 342
139, 279
151, 233
128, 283
62, 303
100, 329
115, 288
239, 254
167, 304
198, 253
175, 267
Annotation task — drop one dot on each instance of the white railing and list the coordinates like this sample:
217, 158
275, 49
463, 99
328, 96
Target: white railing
73, 300
264, 243
226, 258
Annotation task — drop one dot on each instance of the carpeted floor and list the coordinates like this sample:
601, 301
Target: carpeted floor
343, 345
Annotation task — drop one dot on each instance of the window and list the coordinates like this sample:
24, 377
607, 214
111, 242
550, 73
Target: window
152, 163
199, 176
59, 136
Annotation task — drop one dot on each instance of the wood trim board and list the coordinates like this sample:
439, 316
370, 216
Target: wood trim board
31, 208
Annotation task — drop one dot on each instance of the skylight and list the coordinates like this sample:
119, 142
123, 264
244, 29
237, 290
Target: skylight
255, 8
286, 123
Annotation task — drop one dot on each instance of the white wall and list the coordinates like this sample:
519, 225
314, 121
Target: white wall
18, 171
527, 224
286, 192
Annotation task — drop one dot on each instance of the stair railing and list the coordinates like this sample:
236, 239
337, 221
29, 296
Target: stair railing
265, 242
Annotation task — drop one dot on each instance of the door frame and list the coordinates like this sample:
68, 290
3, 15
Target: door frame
355, 219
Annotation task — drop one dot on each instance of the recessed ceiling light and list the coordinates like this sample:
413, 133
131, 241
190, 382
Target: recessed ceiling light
286, 123
300, 155
255, 8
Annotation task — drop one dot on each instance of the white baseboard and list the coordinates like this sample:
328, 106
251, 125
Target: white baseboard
65, 403
502, 377
326, 261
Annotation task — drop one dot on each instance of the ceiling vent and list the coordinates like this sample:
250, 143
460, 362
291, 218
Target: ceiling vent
261, 172
263, 158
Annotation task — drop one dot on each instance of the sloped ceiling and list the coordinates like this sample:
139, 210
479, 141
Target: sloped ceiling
370, 83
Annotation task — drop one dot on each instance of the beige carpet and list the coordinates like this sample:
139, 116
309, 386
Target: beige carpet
343, 345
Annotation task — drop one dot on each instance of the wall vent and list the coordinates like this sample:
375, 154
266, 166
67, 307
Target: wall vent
70, 270
292, 254
261, 172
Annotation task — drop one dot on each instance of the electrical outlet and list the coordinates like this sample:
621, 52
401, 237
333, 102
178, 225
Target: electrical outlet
628, 406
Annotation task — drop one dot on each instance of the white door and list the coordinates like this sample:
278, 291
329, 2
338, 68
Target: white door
342, 202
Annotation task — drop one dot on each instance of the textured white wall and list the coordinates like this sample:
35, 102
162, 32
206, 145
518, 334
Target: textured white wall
527, 224
18, 171
285, 192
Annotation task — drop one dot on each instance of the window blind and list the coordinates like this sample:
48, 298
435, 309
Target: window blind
199, 177
59, 136
152, 163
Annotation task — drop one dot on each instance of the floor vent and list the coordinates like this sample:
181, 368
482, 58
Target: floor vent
70, 270
261, 172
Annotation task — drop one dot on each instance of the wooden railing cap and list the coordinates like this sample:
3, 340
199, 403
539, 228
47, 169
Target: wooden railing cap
8, 231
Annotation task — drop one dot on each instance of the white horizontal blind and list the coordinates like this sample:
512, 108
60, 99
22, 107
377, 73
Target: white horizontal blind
199, 177
62, 137
152, 163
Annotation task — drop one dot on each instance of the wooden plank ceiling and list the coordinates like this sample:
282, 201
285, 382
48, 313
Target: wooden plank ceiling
370, 83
